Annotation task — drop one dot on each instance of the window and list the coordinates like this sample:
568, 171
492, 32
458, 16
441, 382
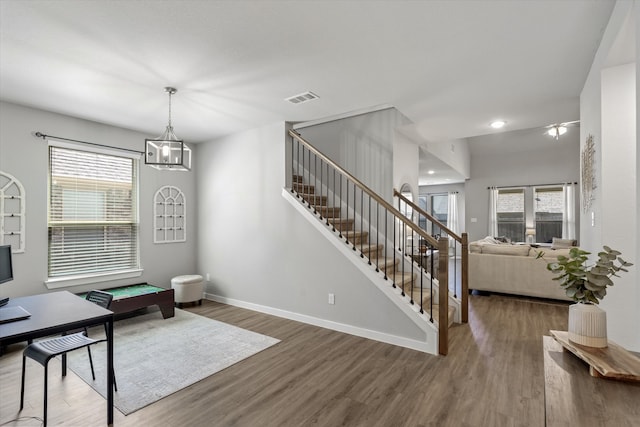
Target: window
93, 216
439, 210
510, 214
548, 208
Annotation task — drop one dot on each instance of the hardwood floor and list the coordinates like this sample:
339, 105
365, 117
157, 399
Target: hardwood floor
493, 376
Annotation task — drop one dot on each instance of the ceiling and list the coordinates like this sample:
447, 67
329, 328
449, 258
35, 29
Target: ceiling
450, 66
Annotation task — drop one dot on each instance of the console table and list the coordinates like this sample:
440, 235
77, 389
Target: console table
575, 398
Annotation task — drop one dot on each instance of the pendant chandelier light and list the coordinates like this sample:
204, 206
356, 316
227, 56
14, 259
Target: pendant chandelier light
167, 152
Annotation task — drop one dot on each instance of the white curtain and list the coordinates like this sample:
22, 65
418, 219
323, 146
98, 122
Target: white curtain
569, 217
452, 219
493, 212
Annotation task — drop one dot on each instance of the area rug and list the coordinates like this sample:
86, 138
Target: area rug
155, 357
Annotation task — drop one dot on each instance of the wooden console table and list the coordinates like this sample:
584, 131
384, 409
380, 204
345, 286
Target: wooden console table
610, 362
575, 398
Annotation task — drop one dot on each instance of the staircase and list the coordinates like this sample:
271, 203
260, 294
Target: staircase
381, 241
400, 271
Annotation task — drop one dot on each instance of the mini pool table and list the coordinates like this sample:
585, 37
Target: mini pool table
134, 297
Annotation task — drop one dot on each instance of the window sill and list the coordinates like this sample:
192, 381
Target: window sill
70, 281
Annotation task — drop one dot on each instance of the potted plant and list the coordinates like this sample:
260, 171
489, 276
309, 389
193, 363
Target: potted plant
587, 285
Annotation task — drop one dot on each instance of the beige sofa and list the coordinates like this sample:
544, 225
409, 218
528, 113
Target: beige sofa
513, 269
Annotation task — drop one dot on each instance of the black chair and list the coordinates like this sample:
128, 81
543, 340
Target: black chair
44, 350
103, 299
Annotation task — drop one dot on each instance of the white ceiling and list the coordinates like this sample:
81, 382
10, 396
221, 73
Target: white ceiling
450, 66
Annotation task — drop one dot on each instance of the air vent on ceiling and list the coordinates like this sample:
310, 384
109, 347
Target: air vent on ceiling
302, 97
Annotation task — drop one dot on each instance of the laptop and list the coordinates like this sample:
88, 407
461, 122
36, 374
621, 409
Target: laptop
13, 313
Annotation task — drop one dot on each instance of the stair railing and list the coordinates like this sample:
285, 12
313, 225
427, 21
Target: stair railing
317, 181
459, 245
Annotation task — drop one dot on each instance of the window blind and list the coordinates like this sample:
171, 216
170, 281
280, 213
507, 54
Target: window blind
92, 218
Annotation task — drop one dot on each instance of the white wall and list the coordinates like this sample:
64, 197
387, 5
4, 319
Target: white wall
454, 153
260, 251
619, 203
26, 158
406, 161
361, 144
609, 112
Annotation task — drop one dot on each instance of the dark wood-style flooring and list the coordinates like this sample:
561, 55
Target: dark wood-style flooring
493, 376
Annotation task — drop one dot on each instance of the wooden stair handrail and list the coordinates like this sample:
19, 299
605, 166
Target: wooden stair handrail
464, 242
430, 239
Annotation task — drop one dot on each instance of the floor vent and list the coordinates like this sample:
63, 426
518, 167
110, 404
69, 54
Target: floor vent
302, 97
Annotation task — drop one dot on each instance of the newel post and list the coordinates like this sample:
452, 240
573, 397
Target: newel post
464, 297
443, 295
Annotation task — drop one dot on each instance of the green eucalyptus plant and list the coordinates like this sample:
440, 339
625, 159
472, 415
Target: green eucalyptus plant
583, 283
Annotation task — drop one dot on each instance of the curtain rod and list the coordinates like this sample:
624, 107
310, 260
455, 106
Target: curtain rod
43, 136
533, 185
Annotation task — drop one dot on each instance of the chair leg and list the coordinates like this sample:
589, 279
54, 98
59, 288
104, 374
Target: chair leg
24, 360
46, 379
115, 386
93, 374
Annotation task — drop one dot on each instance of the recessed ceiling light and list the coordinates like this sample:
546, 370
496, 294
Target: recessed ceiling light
431, 172
498, 124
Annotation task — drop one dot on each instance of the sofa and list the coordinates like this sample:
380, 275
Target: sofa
514, 268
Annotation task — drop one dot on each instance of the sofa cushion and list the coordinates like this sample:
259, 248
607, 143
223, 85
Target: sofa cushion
516, 250
555, 253
562, 243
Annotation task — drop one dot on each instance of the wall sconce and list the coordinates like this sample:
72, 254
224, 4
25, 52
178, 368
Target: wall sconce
530, 233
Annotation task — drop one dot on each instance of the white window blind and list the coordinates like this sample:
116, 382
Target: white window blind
92, 221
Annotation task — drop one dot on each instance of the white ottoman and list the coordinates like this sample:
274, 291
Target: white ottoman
188, 289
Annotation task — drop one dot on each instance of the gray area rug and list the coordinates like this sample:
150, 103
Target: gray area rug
155, 357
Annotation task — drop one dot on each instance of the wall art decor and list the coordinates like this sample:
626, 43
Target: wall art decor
12, 213
169, 215
588, 173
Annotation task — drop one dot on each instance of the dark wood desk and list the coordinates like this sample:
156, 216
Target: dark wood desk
55, 313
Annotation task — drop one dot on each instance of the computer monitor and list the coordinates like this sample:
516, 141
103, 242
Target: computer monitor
6, 269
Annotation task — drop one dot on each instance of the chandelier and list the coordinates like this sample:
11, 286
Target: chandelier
167, 152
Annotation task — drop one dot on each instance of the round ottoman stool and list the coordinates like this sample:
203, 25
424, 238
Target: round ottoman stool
187, 289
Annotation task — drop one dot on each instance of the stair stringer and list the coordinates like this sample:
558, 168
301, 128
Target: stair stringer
421, 320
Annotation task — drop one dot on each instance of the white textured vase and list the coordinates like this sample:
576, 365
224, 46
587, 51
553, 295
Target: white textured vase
588, 325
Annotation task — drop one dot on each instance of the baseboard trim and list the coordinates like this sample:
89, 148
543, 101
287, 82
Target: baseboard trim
412, 344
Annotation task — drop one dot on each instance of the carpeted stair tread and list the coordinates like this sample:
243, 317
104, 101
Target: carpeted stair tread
386, 265
329, 211
314, 200
400, 278
369, 250
304, 188
450, 315
341, 223
356, 236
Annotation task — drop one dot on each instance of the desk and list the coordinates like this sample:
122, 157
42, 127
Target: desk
55, 313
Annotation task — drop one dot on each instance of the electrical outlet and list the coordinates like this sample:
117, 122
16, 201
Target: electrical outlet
332, 299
